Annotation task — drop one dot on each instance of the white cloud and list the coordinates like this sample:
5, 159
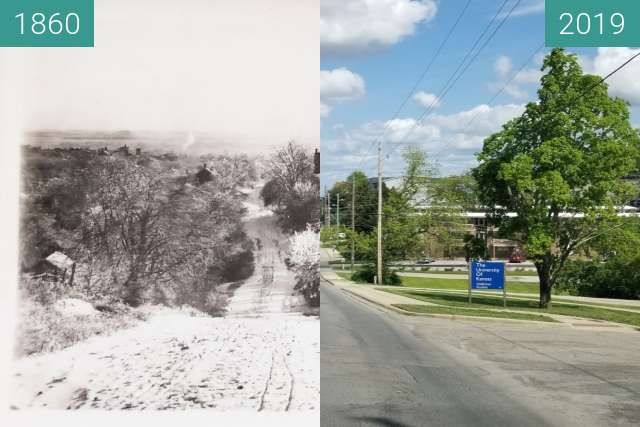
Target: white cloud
503, 67
325, 110
624, 83
529, 7
478, 121
528, 76
339, 85
398, 130
427, 100
354, 26
453, 137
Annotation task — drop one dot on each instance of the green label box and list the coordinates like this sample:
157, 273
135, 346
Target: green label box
46, 23
592, 23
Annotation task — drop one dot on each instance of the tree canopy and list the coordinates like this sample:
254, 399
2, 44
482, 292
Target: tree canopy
559, 167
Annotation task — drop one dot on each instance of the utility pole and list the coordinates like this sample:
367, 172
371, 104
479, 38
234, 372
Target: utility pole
338, 210
328, 209
353, 218
379, 276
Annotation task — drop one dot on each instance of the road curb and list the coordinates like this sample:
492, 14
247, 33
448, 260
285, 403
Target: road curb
450, 316
441, 316
462, 316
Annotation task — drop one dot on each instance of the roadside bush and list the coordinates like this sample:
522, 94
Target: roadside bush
616, 278
304, 258
368, 272
42, 329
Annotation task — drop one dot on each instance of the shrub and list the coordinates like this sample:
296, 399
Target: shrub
616, 278
304, 258
475, 248
368, 272
42, 329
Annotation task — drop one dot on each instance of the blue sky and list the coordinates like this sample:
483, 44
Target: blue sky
373, 52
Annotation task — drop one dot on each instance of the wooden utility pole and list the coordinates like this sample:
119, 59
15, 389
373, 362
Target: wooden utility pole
379, 276
338, 210
353, 219
328, 209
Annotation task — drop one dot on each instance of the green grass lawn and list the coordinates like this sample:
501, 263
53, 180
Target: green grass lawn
430, 309
338, 266
463, 273
530, 305
453, 284
462, 284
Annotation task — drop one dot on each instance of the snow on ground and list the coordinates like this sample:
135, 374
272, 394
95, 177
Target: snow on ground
264, 356
262, 295
175, 361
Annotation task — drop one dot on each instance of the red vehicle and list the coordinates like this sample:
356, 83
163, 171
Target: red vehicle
516, 257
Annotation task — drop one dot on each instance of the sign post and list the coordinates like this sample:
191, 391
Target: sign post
469, 270
504, 285
488, 275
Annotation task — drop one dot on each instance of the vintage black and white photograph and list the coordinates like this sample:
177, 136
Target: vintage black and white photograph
169, 213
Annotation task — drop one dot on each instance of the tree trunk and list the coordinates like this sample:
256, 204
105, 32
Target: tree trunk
132, 288
544, 275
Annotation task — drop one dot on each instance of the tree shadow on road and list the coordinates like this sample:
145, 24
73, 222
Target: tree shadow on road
383, 421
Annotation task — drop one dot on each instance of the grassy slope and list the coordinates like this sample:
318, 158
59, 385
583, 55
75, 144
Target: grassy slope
463, 273
530, 305
456, 284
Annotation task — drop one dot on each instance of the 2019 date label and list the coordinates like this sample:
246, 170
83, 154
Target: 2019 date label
592, 23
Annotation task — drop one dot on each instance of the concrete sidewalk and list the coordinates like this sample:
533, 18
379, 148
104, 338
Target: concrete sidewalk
387, 300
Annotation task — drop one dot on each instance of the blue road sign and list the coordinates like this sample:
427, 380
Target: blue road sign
487, 275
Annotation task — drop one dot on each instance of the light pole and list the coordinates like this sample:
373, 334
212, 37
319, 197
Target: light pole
379, 275
353, 218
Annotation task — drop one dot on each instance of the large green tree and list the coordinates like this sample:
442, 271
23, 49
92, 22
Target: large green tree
366, 201
559, 167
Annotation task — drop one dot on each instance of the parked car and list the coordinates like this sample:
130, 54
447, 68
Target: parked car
516, 257
342, 236
425, 260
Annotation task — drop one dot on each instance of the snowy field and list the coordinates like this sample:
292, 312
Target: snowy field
263, 356
175, 361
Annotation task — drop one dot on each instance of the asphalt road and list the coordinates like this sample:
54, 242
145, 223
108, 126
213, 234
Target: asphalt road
383, 369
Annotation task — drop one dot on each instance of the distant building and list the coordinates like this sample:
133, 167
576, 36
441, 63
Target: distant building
204, 175
138, 151
124, 150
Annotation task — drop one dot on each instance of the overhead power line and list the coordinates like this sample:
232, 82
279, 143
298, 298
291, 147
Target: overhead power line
588, 89
602, 80
497, 94
462, 68
426, 70
421, 77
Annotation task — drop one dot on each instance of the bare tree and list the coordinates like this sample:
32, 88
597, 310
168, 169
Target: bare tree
293, 188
